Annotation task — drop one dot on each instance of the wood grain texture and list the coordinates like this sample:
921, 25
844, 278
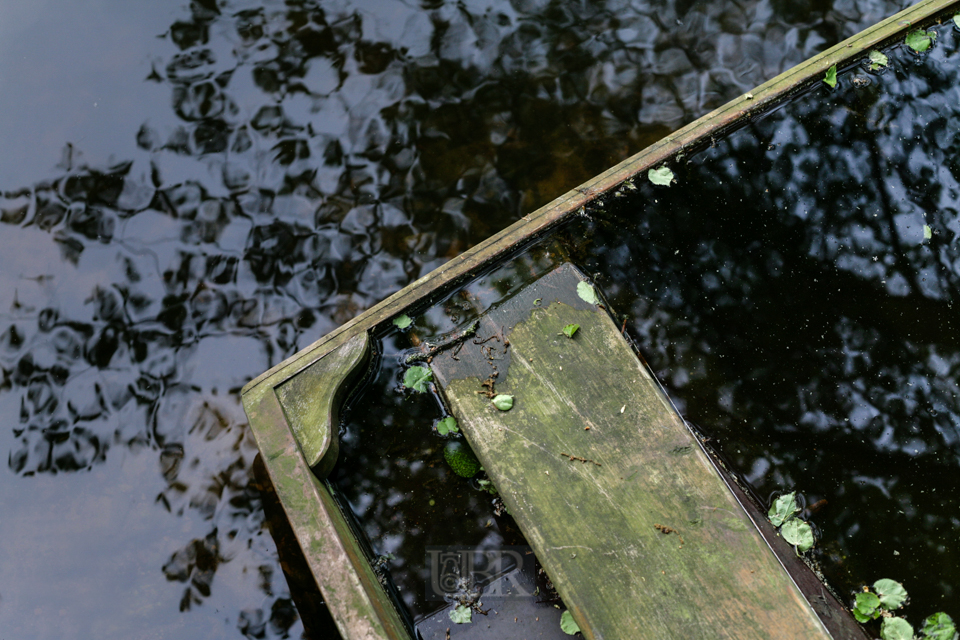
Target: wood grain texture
598, 522
311, 400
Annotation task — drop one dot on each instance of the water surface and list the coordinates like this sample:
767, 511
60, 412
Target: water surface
194, 191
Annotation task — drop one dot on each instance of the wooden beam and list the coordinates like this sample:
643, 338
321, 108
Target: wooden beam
640, 536
360, 607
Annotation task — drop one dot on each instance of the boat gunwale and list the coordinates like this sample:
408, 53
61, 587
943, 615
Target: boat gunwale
443, 280
684, 142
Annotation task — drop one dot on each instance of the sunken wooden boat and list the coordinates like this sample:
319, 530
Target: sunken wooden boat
641, 530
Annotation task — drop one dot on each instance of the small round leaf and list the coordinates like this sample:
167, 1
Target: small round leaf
895, 628
798, 533
661, 176
782, 508
567, 624
402, 321
892, 594
587, 293
939, 626
866, 605
503, 402
416, 378
447, 425
461, 615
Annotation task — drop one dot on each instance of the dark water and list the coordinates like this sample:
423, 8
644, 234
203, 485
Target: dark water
791, 303
785, 294
194, 191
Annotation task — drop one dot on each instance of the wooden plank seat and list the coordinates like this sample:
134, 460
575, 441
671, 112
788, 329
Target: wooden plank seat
640, 535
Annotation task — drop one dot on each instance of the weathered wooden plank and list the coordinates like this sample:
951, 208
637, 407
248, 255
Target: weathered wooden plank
595, 465
359, 605
311, 400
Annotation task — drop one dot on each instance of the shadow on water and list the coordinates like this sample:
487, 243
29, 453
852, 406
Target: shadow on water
308, 160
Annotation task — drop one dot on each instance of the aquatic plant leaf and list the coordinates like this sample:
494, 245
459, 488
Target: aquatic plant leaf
895, 628
782, 508
956, 20
447, 425
860, 617
402, 321
416, 378
567, 624
461, 615
939, 626
487, 486
866, 606
798, 533
927, 232
921, 40
587, 293
877, 60
831, 77
570, 329
662, 176
503, 402
891, 593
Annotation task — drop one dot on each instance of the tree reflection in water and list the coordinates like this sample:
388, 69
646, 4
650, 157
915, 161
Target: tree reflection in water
794, 308
318, 158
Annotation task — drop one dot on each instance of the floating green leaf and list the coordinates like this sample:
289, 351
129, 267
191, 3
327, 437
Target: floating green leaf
570, 329
939, 626
461, 615
782, 508
487, 486
461, 459
895, 628
877, 60
567, 624
921, 40
866, 606
416, 378
402, 321
892, 594
447, 425
662, 176
587, 293
927, 232
503, 402
956, 20
798, 533
831, 77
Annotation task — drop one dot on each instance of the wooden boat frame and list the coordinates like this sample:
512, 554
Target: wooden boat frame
274, 401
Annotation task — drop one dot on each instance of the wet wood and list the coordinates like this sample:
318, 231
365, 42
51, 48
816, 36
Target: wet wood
638, 532
273, 421
311, 400
359, 605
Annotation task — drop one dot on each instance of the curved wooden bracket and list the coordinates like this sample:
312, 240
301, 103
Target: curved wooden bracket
311, 400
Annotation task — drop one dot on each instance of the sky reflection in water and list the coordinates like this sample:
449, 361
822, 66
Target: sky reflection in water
192, 193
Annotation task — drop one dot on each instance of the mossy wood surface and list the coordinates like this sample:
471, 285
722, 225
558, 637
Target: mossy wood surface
639, 534
359, 605
311, 401
269, 424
